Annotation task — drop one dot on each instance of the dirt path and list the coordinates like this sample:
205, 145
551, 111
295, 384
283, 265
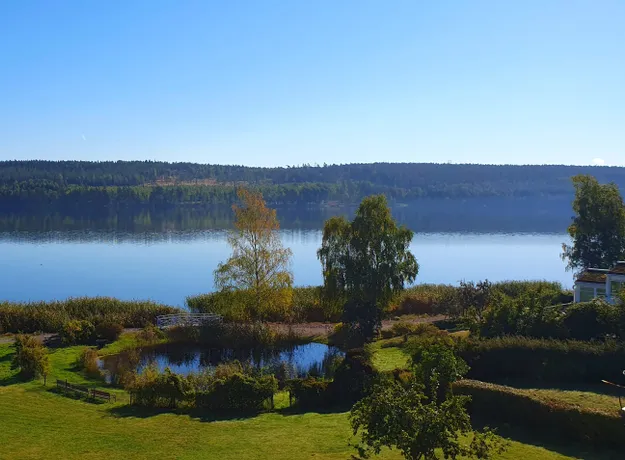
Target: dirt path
324, 329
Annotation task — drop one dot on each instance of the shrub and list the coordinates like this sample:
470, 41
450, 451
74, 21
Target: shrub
546, 418
154, 389
31, 358
150, 334
309, 393
238, 392
77, 332
353, 377
109, 330
88, 361
542, 360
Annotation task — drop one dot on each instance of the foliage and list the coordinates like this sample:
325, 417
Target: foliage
88, 361
366, 262
310, 393
598, 228
108, 330
437, 367
403, 417
353, 377
77, 331
31, 357
51, 316
532, 316
308, 304
238, 392
150, 334
547, 418
151, 388
30, 185
259, 265
542, 360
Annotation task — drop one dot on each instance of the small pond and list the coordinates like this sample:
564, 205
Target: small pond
300, 360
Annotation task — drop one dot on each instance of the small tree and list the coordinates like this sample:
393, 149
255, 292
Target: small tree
31, 358
598, 228
401, 416
365, 263
259, 265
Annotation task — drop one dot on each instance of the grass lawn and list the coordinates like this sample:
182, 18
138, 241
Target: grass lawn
38, 423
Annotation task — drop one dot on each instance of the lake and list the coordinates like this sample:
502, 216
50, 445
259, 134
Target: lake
167, 266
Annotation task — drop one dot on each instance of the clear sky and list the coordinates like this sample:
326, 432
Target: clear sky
287, 82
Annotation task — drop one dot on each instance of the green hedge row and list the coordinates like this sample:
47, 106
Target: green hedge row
543, 360
51, 316
548, 418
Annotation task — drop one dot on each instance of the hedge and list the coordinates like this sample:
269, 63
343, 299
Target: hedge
543, 360
544, 417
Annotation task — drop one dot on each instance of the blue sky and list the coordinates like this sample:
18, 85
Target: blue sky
289, 82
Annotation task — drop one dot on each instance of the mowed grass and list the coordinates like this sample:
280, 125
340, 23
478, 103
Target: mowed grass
39, 423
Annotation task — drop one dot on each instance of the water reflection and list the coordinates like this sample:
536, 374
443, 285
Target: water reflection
312, 358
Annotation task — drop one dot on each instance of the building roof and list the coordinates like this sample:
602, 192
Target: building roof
594, 275
619, 268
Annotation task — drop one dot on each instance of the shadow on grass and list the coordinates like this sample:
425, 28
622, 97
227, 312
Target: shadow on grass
76, 396
202, 415
12, 380
567, 448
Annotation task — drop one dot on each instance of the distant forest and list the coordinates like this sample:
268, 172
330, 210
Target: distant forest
72, 185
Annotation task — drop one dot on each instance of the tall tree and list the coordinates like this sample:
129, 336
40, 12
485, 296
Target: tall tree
259, 265
365, 263
598, 228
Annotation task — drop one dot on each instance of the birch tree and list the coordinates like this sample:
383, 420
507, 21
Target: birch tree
259, 266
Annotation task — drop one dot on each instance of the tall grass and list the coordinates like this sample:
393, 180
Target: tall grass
308, 305
31, 317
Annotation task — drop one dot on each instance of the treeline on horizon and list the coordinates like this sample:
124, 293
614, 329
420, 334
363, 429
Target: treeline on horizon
70, 185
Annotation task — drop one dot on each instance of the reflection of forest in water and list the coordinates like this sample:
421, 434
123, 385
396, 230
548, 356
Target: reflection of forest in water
493, 215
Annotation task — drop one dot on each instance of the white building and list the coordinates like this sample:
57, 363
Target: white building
602, 283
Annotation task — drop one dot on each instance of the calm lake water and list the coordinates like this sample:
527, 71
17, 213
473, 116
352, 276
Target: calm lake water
185, 359
168, 266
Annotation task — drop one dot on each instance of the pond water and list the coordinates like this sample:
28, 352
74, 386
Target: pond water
316, 358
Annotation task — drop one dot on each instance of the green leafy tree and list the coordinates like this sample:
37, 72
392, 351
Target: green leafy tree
259, 265
598, 228
365, 263
401, 416
31, 358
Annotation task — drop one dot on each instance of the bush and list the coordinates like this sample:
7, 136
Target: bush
109, 331
353, 377
154, 389
310, 393
77, 332
150, 334
51, 316
542, 360
238, 392
546, 418
31, 358
88, 361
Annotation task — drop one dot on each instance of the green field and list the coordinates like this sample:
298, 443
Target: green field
38, 423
